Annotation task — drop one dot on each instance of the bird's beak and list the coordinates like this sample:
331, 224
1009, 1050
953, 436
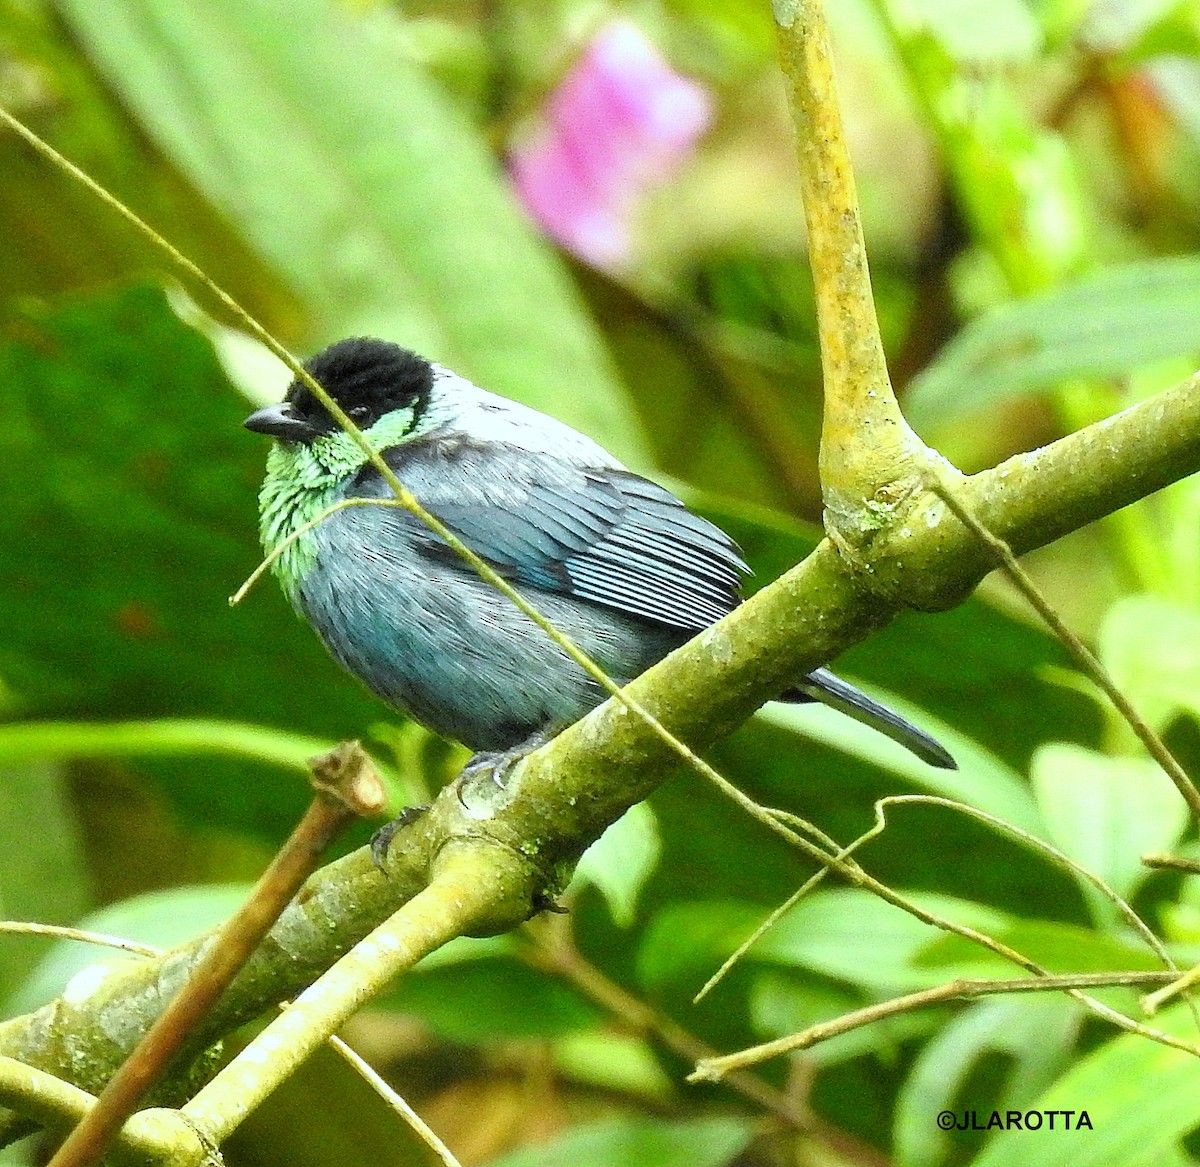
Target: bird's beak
280, 422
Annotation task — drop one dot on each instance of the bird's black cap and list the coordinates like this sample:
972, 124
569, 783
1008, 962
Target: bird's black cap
366, 377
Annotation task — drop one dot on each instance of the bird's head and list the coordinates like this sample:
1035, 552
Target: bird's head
384, 389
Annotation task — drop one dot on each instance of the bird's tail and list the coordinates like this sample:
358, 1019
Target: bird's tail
821, 685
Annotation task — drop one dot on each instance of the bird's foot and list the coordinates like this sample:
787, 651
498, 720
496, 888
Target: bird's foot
381, 840
498, 764
501, 763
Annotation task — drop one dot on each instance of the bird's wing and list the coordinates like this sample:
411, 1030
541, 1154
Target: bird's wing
600, 533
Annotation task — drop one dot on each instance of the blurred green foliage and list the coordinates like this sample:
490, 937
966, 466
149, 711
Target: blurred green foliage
1027, 172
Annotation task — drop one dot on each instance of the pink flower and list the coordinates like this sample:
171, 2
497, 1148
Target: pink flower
620, 123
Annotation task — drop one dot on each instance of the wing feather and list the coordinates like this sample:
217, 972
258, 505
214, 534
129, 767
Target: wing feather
602, 534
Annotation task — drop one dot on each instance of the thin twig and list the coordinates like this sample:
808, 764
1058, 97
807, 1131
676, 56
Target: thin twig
713, 1069
377, 1083
1024, 837
61, 932
769, 922
1173, 863
1086, 660
857, 876
300, 532
1152, 1002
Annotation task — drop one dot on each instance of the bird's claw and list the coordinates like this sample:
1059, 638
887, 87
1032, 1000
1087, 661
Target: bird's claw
381, 840
498, 763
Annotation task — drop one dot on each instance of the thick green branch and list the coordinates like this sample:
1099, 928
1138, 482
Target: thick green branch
1035, 498
148, 1139
868, 451
932, 560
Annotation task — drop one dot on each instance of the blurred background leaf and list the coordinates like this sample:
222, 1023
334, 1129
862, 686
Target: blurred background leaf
375, 149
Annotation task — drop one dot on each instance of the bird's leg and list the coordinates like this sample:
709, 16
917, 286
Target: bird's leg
499, 763
502, 762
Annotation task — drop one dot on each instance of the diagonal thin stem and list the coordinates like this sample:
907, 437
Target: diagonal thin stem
1085, 658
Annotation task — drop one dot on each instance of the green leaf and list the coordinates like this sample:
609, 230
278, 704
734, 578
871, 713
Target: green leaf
1016, 182
1174, 76
1106, 813
488, 997
644, 1142
1111, 29
614, 1062
973, 31
858, 938
685, 943
1035, 1033
65, 739
1140, 1098
1151, 647
1107, 324
981, 780
161, 918
42, 877
361, 185
784, 1003
621, 860
1056, 946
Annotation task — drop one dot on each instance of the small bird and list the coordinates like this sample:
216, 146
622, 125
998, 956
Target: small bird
615, 561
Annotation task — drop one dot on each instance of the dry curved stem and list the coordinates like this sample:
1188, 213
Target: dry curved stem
1173, 863
777, 914
863, 1017
422, 1129
82, 935
1084, 657
714, 1069
1031, 841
